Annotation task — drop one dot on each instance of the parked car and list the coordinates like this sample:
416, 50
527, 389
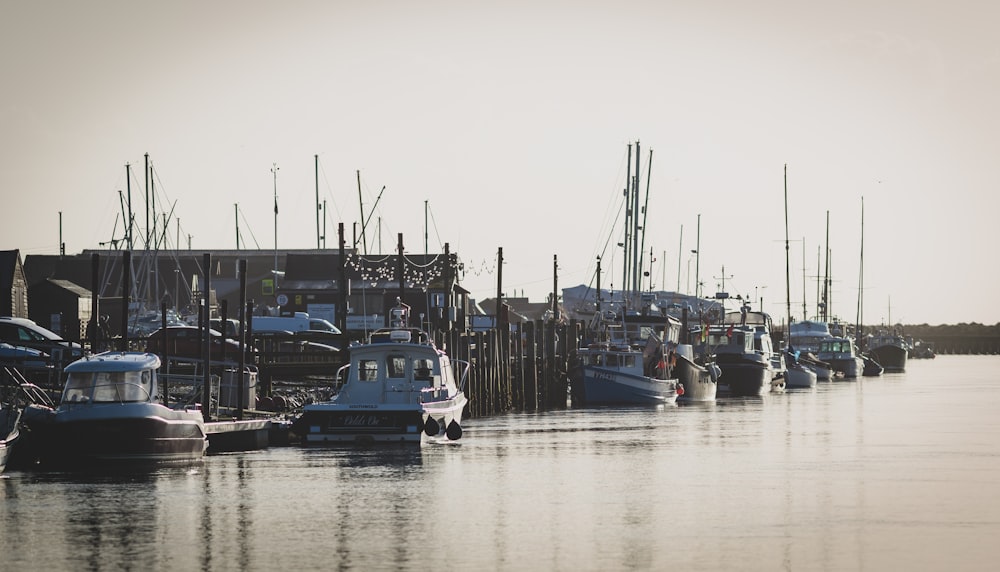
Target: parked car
26, 333
186, 342
22, 356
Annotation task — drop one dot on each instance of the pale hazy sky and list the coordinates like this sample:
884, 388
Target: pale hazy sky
511, 121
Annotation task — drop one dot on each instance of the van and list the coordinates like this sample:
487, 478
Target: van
300, 322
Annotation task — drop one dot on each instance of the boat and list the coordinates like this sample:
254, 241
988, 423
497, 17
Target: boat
841, 354
796, 375
10, 430
112, 411
870, 367
398, 387
888, 349
614, 372
742, 347
700, 381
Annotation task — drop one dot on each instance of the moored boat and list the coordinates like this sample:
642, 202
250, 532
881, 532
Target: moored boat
889, 350
699, 381
842, 356
112, 411
399, 388
616, 373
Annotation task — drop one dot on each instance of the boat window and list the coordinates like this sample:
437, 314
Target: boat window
367, 370
78, 386
395, 366
117, 387
422, 369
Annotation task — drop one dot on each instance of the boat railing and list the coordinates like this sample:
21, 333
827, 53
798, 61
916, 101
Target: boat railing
465, 365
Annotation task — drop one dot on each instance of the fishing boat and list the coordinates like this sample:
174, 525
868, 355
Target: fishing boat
112, 411
618, 373
888, 349
746, 370
398, 388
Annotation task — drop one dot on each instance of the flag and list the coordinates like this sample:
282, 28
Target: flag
729, 332
704, 333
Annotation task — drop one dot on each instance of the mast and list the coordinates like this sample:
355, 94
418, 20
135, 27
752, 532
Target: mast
680, 249
319, 207
274, 171
861, 277
636, 270
805, 312
361, 203
645, 208
697, 260
628, 217
788, 282
826, 274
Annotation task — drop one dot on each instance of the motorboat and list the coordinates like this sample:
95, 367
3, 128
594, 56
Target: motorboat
745, 370
10, 426
112, 410
398, 387
795, 374
841, 354
889, 350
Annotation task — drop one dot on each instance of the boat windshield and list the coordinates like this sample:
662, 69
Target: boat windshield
108, 387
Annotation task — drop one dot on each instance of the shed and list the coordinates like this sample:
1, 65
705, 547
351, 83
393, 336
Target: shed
61, 306
13, 285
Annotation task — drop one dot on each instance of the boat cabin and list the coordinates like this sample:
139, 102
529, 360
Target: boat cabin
111, 378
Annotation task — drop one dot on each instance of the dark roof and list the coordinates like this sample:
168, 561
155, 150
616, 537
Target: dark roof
8, 265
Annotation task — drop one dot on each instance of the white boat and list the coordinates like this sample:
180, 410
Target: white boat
700, 382
10, 425
794, 374
399, 388
616, 373
112, 410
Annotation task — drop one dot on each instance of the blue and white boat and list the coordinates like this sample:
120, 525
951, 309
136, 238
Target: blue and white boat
399, 388
112, 410
619, 373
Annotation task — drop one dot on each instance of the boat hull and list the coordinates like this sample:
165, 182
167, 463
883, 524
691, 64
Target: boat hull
89, 442
332, 423
605, 386
892, 358
799, 377
697, 380
743, 378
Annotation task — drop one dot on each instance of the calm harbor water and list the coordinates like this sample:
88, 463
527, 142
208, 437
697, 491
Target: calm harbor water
899, 472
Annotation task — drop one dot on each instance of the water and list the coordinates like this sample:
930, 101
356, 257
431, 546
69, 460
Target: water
900, 472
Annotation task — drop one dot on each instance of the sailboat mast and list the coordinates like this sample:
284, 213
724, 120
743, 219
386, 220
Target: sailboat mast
626, 252
826, 274
861, 276
319, 207
788, 282
361, 202
645, 208
636, 270
805, 312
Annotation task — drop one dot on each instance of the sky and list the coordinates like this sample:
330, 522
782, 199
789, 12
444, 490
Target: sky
506, 125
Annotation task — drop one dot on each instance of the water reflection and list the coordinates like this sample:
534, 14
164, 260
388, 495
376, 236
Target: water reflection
889, 472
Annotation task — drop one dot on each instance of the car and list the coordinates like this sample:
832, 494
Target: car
186, 342
26, 333
22, 356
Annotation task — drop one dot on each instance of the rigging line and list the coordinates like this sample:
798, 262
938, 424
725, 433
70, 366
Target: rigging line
329, 193
248, 227
437, 234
